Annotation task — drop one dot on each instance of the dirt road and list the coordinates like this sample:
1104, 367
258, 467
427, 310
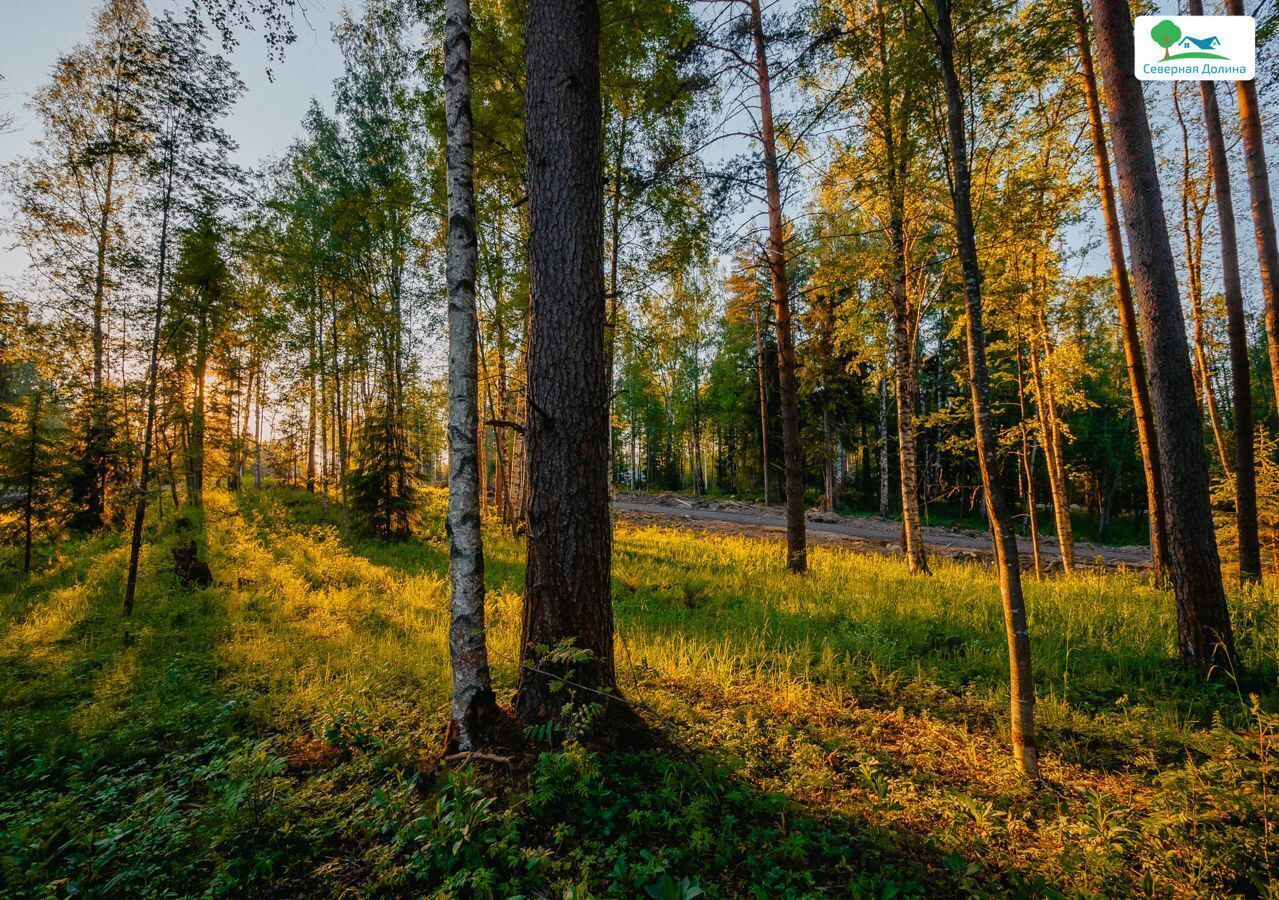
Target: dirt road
865, 532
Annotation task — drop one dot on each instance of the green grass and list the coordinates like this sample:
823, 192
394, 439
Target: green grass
833, 735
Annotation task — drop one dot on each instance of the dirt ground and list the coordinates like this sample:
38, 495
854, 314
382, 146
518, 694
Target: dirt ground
869, 534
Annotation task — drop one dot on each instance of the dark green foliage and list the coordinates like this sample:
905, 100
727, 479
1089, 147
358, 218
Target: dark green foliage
33, 463
381, 487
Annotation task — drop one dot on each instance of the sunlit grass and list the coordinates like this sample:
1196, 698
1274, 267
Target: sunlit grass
272, 707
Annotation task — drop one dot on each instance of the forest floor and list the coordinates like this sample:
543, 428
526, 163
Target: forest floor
837, 734
864, 532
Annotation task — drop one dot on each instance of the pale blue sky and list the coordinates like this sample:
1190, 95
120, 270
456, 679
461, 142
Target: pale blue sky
33, 33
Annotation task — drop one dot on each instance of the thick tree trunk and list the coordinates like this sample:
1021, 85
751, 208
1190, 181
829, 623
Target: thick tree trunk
567, 588
1204, 631
1136, 365
1263, 211
1236, 329
1021, 684
792, 455
474, 705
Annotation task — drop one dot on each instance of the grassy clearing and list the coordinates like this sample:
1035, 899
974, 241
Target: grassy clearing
840, 734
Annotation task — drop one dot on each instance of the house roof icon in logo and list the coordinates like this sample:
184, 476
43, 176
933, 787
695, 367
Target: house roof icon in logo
1167, 35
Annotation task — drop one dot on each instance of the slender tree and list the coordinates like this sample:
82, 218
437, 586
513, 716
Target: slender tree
1245, 474
792, 453
187, 91
1021, 683
473, 701
1263, 210
72, 196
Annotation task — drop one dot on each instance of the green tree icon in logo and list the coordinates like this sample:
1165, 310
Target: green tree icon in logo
1166, 33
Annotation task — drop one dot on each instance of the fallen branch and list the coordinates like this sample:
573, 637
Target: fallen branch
474, 755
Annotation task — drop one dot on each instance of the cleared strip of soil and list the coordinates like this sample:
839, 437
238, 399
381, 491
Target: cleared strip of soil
869, 533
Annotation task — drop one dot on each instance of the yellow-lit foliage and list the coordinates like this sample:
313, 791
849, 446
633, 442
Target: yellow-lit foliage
857, 690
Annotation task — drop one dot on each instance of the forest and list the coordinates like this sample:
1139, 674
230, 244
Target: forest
643, 448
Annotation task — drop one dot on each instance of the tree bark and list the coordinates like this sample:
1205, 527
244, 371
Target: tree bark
884, 486
474, 705
1237, 334
140, 511
792, 455
763, 396
1194, 206
907, 390
1050, 433
1028, 468
1136, 365
567, 577
29, 499
1204, 631
1263, 211
1021, 684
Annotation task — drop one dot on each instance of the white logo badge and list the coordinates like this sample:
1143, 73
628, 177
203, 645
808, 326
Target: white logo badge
1195, 48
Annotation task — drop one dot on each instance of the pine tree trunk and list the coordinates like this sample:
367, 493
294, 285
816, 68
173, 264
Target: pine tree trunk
1204, 630
1236, 329
474, 705
567, 577
1021, 684
1193, 210
1263, 211
792, 455
1136, 365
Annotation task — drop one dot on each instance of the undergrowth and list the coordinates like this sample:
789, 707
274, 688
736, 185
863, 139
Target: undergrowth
842, 734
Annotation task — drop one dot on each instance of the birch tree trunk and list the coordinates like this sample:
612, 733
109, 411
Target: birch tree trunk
884, 477
474, 705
